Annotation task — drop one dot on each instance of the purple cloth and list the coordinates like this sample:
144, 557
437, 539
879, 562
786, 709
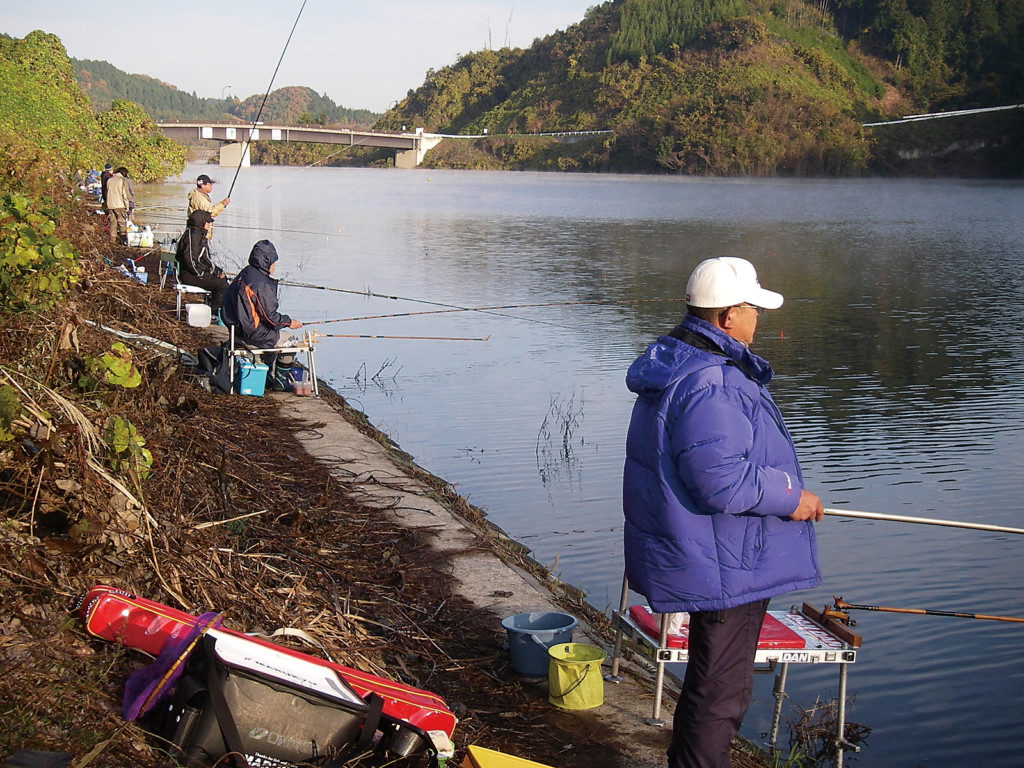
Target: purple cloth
142, 683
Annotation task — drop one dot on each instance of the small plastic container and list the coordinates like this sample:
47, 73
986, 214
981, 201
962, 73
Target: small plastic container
302, 383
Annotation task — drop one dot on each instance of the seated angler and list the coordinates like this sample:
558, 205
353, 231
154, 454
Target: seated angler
194, 264
250, 303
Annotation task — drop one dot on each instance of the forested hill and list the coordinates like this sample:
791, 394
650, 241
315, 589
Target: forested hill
724, 86
103, 83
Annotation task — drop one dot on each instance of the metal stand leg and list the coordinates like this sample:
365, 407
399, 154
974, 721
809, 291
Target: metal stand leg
312, 364
659, 682
614, 677
841, 743
779, 692
231, 359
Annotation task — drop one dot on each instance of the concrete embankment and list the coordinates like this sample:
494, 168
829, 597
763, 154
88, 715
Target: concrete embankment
382, 478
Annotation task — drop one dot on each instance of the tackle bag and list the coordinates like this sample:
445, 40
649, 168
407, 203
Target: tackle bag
215, 368
280, 368
249, 705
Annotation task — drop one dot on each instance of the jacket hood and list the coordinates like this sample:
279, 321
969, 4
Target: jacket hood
199, 219
669, 358
263, 254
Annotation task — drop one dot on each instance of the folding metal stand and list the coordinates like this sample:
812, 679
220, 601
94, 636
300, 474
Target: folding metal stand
825, 641
306, 346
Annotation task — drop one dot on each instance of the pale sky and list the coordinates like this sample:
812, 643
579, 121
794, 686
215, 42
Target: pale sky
363, 55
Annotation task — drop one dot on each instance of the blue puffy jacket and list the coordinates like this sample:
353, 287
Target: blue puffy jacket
250, 302
710, 480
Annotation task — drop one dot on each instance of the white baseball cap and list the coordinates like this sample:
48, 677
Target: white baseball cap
726, 281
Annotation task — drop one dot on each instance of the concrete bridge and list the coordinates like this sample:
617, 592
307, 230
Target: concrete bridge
410, 147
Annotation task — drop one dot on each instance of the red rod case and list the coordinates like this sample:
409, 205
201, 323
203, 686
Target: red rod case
145, 625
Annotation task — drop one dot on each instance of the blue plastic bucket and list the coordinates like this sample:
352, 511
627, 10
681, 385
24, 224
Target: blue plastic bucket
530, 635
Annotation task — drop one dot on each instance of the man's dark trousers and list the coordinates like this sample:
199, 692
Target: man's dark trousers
718, 685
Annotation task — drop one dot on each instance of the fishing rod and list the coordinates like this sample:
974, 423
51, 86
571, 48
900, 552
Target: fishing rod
483, 309
923, 521
378, 336
845, 606
259, 114
181, 659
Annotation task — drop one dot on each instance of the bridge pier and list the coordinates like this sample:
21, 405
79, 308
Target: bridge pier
410, 158
231, 155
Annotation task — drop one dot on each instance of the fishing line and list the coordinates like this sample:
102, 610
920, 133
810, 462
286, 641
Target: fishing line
289, 231
317, 162
487, 309
450, 307
259, 114
159, 220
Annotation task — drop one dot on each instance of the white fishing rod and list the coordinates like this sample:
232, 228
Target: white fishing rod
922, 521
259, 114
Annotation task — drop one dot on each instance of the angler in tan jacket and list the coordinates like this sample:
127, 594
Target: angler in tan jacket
119, 201
199, 199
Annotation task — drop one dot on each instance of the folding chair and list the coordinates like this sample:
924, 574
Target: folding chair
183, 289
168, 266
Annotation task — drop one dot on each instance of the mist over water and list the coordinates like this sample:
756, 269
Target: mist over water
898, 358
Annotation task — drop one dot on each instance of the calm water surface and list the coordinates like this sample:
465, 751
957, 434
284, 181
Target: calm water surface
899, 363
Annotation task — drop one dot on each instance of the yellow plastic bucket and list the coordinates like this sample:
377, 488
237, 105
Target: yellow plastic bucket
574, 676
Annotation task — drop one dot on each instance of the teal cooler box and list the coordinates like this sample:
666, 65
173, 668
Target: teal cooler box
251, 378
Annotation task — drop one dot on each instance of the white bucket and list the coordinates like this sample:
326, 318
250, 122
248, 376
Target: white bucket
198, 315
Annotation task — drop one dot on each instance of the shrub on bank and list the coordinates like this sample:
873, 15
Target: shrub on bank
36, 267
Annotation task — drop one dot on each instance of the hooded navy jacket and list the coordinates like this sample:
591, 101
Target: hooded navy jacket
710, 479
250, 302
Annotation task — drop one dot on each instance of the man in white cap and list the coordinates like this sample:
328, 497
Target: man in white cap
199, 200
717, 519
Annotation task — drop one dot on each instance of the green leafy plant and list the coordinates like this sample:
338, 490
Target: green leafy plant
132, 133
114, 368
36, 267
127, 448
10, 410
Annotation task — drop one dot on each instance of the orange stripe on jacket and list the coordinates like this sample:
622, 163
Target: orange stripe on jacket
252, 300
